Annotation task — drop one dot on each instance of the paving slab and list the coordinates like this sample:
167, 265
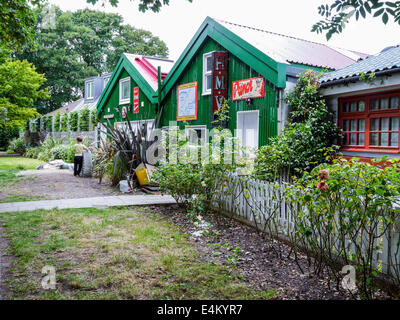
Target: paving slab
108, 201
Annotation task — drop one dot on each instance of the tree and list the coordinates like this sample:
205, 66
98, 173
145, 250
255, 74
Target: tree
144, 5
82, 44
339, 13
17, 23
19, 88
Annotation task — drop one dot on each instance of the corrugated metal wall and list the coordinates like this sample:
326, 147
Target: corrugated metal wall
238, 70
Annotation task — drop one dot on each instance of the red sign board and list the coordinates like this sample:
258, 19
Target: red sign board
136, 100
219, 87
248, 88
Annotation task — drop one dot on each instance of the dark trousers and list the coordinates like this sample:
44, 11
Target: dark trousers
77, 165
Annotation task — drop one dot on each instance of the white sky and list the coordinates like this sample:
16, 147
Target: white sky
177, 23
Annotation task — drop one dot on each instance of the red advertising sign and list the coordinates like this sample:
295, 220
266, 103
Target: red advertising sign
136, 100
248, 88
219, 87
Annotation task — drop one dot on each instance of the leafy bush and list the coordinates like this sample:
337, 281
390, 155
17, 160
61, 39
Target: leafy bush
47, 123
94, 119
17, 145
307, 139
6, 134
63, 152
32, 152
346, 208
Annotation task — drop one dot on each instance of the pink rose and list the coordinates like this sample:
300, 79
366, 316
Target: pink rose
322, 186
323, 174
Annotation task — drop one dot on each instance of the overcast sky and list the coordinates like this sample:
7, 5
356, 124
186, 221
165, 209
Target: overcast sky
177, 23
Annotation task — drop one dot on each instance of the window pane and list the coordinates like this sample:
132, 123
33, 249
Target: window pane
345, 138
353, 106
394, 124
373, 104
394, 139
361, 139
384, 124
384, 103
361, 106
125, 90
344, 107
208, 86
384, 139
374, 124
373, 139
353, 125
361, 125
209, 64
353, 138
344, 125
394, 102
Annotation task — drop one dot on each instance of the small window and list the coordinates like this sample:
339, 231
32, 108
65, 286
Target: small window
207, 73
125, 91
89, 90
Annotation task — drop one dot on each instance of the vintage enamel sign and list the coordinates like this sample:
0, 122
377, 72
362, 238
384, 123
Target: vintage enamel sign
136, 100
248, 88
187, 102
219, 79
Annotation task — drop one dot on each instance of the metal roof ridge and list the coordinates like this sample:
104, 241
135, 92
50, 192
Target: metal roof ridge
271, 32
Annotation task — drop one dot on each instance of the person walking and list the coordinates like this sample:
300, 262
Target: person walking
78, 159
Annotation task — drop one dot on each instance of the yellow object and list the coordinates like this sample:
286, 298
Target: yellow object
141, 174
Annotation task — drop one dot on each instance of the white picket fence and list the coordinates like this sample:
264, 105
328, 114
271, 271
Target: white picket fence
258, 201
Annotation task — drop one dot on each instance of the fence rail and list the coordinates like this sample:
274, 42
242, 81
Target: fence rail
264, 205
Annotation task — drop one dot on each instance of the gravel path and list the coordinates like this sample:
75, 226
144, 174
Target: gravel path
56, 184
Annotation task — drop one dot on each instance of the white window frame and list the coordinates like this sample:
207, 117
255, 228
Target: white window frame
89, 93
126, 100
206, 74
251, 152
198, 127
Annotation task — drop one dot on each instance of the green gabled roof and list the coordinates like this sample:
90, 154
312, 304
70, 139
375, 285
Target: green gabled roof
125, 64
273, 71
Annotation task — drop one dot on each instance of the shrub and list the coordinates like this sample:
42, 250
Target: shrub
17, 145
94, 119
307, 139
47, 123
63, 152
6, 135
346, 207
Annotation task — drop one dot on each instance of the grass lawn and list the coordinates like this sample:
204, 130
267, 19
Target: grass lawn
9, 167
114, 253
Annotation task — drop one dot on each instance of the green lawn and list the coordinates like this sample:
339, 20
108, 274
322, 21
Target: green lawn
115, 253
10, 166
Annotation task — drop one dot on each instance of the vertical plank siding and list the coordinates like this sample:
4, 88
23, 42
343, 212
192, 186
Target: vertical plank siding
238, 70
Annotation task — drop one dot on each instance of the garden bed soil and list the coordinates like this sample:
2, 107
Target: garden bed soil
258, 261
58, 184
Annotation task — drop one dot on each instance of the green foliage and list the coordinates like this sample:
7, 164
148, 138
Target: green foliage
6, 135
63, 152
47, 123
57, 122
20, 87
144, 5
194, 183
64, 122
17, 23
17, 145
81, 44
73, 121
84, 119
352, 203
307, 139
94, 119
339, 13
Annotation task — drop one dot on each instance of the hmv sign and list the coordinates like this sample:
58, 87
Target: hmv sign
219, 90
